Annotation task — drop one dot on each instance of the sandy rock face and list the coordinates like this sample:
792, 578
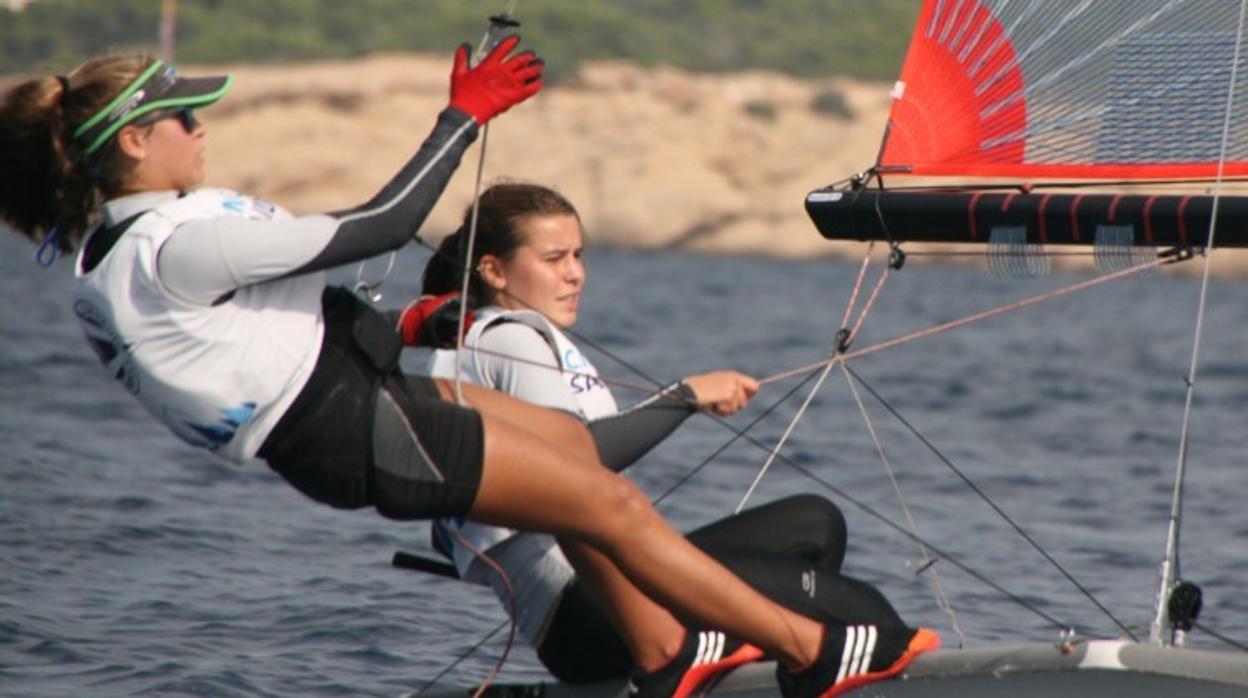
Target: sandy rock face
655, 158
652, 157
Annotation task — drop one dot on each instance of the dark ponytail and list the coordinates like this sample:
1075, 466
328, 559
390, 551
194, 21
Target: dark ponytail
45, 183
500, 211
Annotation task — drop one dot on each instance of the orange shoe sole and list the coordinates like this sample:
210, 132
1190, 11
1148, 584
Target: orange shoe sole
701, 678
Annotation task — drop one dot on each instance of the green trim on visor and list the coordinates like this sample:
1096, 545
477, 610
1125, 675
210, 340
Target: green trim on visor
125, 94
187, 101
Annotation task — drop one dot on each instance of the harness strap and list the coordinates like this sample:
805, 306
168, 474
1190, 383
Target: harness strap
103, 241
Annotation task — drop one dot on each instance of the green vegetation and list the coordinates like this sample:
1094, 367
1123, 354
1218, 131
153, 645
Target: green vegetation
831, 102
760, 109
811, 38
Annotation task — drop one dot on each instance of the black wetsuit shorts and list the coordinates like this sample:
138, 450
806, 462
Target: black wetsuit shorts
361, 433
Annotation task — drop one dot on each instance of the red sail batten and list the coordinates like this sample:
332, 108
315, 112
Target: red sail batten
1183, 220
1148, 220
962, 108
1044, 224
970, 215
1074, 217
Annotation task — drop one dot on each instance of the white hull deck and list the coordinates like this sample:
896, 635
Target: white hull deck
1103, 668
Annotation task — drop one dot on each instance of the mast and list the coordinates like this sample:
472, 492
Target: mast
1169, 627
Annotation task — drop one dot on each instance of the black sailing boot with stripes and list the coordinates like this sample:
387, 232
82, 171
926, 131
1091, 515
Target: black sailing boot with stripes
705, 656
855, 655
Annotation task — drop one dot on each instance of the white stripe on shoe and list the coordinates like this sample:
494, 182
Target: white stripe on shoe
846, 653
859, 648
872, 635
855, 664
710, 648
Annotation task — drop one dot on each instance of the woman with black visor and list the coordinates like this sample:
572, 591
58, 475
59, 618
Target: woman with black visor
212, 308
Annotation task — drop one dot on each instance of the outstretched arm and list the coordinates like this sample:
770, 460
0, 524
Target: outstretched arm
208, 258
625, 437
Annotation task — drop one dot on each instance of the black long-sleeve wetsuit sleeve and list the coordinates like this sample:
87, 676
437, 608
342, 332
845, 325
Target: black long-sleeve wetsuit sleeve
209, 257
392, 217
625, 437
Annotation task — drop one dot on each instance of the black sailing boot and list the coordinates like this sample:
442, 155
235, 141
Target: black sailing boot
855, 655
705, 657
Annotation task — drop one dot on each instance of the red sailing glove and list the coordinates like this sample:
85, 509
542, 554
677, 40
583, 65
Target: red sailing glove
430, 321
498, 83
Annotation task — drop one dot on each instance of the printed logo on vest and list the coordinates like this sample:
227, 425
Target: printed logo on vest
211, 436
108, 345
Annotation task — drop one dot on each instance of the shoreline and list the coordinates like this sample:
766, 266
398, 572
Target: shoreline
653, 158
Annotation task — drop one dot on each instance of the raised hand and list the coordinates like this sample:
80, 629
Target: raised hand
496, 84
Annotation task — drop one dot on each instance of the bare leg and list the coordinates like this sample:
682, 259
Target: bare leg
541, 473
652, 634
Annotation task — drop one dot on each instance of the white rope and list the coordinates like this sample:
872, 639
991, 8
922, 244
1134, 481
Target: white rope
827, 368
771, 457
928, 562
487, 44
467, 270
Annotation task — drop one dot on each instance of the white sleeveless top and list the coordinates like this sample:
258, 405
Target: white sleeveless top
566, 380
219, 376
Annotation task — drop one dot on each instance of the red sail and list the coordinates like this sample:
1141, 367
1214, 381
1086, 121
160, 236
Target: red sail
1071, 89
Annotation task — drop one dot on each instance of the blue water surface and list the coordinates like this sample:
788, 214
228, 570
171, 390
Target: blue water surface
131, 564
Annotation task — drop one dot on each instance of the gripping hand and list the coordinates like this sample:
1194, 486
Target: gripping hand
431, 321
496, 84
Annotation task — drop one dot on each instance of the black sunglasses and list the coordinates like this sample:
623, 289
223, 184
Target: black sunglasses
185, 116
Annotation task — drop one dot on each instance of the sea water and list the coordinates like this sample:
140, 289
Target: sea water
132, 564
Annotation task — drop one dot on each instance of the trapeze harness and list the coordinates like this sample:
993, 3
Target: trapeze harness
211, 308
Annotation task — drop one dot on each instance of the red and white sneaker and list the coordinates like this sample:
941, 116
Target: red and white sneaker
705, 657
856, 655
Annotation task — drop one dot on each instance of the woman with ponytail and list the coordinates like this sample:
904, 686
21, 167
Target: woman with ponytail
49, 189
212, 308
528, 274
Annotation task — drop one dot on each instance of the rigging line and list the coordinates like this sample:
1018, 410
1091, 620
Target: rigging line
771, 457
940, 553
865, 508
862, 275
866, 309
1170, 565
942, 600
511, 604
465, 655
743, 434
984, 496
1212, 633
468, 243
842, 341
459, 394
737, 434
487, 43
999, 310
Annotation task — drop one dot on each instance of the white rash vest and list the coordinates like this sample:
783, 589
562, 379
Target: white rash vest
531, 359
218, 373
207, 307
